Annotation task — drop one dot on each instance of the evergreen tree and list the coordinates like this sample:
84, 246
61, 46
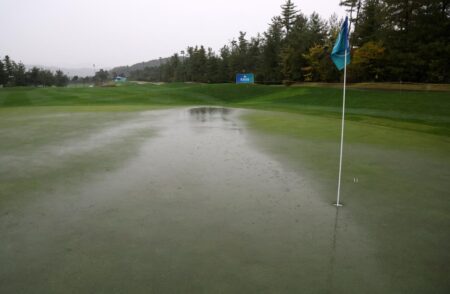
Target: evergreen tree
20, 75
188, 64
417, 40
334, 26
295, 46
288, 14
75, 79
352, 6
33, 76
3, 74
169, 69
46, 78
212, 67
225, 74
271, 52
197, 64
370, 26
239, 54
175, 64
201, 65
101, 76
9, 68
61, 80
317, 29
254, 54
394, 40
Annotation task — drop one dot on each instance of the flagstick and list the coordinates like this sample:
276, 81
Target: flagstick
338, 204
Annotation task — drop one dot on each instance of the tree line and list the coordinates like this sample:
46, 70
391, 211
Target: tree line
15, 74
391, 40
99, 78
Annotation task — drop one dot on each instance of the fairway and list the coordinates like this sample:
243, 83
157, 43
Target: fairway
192, 188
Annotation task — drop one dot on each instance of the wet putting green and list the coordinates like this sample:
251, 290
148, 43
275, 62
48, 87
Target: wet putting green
215, 200
395, 188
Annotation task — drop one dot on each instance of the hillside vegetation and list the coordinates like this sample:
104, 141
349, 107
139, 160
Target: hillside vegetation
127, 69
392, 41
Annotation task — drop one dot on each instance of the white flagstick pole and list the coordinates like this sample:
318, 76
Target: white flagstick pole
342, 130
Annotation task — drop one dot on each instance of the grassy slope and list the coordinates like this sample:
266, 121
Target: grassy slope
421, 111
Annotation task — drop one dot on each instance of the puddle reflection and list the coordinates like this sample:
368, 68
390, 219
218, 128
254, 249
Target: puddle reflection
205, 114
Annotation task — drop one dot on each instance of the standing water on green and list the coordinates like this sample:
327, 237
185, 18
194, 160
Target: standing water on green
170, 201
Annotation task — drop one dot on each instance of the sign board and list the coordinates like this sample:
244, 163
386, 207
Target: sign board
247, 78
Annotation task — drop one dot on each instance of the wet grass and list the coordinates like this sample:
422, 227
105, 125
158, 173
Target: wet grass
423, 111
395, 181
395, 184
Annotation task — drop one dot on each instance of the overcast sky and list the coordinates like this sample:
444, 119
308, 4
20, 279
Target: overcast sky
79, 33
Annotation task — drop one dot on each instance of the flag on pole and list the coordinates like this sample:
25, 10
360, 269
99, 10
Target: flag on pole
341, 47
341, 57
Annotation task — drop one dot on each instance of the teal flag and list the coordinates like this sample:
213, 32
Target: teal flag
341, 47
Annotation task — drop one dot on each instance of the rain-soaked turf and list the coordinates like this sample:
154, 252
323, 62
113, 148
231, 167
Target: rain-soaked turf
415, 110
116, 198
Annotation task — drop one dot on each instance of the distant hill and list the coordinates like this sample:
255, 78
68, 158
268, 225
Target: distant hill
84, 72
81, 72
127, 69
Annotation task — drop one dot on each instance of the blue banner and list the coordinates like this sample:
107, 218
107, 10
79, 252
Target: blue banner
247, 78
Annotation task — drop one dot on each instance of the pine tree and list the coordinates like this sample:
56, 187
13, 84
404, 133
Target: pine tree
294, 47
9, 68
188, 64
352, 6
288, 13
254, 54
33, 76
224, 74
212, 67
271, 71
61, 80
395, 40
238, 59
370, 24
334, 26
318, 29
46, 78
197, 58
3, 77
20, 75
417, 40
100, 76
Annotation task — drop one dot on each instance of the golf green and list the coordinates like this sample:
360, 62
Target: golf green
137, 190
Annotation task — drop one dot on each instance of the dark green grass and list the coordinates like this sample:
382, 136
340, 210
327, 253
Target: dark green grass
415, 110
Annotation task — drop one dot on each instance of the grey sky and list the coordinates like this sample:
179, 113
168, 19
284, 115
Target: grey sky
77, 33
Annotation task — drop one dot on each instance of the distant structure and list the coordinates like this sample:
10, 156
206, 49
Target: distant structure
120, 79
